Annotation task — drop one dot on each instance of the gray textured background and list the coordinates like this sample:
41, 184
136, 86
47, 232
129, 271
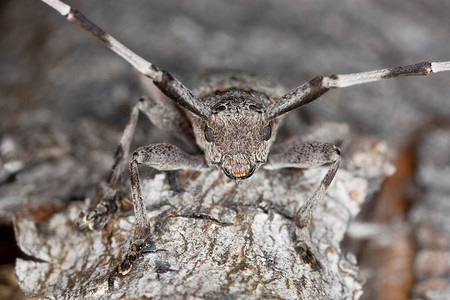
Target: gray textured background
64, 97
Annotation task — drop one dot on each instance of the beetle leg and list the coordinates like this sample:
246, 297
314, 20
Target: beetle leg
306, 155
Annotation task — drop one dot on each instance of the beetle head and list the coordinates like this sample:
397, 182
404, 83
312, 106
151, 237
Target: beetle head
237, 137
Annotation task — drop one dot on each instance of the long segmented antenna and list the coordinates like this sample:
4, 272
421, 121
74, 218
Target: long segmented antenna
170, 86
313, 89
300, 96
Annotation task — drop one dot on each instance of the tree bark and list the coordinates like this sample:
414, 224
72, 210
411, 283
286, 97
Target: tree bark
216, 240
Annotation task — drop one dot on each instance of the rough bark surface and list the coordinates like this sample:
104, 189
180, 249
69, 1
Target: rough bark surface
217, 240
64, 100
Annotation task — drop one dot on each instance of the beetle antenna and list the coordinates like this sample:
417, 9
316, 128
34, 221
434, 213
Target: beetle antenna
170, 86
313, 89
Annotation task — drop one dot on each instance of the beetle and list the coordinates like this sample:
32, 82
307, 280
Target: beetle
232, 117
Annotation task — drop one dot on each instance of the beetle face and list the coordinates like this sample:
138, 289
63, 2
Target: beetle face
237, 138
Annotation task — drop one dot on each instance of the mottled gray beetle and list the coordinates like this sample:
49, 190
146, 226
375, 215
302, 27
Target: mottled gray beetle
232, 117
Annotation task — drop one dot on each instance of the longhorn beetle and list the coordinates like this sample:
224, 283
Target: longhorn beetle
233, 118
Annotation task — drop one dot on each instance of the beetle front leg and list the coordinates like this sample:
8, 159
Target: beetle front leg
306, 155
164, 116
163, 157
99, 216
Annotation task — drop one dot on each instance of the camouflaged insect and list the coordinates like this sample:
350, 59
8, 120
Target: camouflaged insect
233, 119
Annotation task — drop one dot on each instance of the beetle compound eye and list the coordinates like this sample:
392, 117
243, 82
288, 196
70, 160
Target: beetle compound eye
209, 134
254, 108
220, 108
267, 132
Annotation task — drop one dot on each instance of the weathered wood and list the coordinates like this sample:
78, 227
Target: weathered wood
216, 240
50, 81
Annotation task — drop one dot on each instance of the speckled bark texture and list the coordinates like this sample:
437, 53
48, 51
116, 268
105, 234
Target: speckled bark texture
65, 99
217, 240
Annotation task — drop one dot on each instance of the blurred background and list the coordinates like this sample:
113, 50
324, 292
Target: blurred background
65, 98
